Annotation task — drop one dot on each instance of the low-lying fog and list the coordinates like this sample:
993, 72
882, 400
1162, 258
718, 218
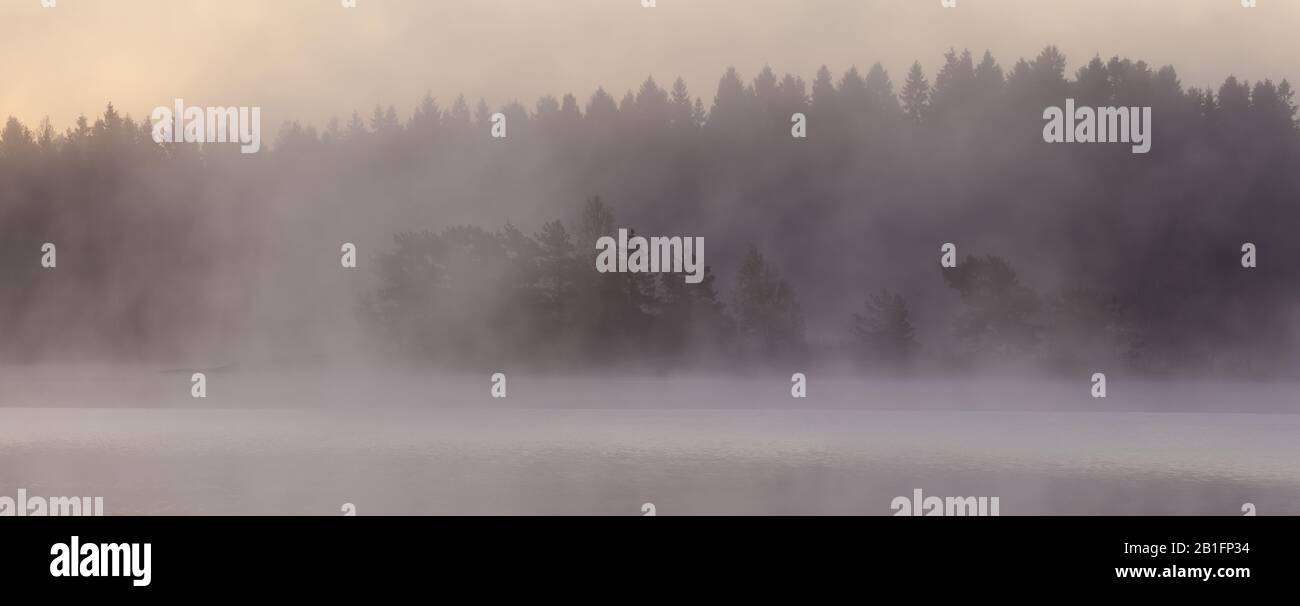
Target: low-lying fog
948, 279
303, 442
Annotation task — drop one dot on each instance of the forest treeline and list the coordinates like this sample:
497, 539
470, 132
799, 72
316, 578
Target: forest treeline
476, 249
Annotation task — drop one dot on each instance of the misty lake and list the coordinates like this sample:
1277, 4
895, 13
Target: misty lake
300, 443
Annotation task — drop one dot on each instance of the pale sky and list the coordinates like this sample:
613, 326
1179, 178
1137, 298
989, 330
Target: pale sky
312, 59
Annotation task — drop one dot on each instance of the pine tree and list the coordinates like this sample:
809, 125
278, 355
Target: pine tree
693, 318
45, 135
569, 110
853, 91
731, 104
765, 91
557, 269
482, 115
988, 75
880, 90
427, 115
16, 139
356, 129
555, 260
601, 109
597, 220
459, 117
823, 92
767, 314
916, 93
1286, 96
885, 332
681, 111
652, 104
953, 84
1092, 85
793, 93
999, 311
547, 109
698, 114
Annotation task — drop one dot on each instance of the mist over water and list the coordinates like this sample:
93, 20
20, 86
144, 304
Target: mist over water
686, 462
943, 283
307, 442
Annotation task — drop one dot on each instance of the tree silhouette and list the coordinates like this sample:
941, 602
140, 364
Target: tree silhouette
916, 94
165, 245
884, 332
998, 315
767, 314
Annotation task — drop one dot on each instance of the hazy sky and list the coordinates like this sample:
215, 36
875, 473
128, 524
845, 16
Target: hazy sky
312, 59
